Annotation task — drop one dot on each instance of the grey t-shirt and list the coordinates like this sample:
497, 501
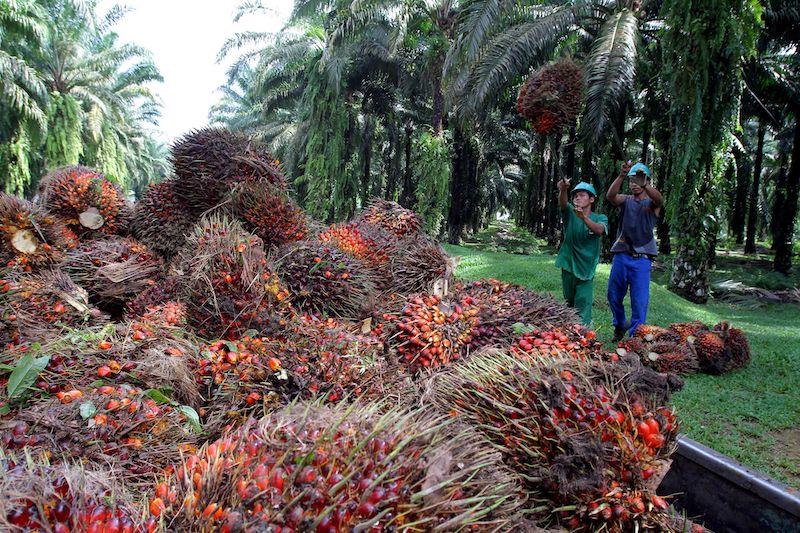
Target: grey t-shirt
636, 227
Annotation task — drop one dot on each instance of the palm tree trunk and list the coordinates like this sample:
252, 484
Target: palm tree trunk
739, 207
392, 158
438, 105
784, 225
569, 149
366, 157
407, 195
752, 211
552, 197
648, 130
465, 164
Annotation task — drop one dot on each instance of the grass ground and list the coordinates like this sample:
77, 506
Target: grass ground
752, 414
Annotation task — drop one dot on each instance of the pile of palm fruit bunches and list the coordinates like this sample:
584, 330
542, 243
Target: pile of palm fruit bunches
209, 359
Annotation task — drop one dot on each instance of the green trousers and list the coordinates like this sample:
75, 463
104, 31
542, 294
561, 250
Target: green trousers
579, 294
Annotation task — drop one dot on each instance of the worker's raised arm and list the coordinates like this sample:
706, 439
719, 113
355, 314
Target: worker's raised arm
563, 185
613, 194
654, 195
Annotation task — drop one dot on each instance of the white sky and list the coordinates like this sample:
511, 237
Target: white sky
184, 37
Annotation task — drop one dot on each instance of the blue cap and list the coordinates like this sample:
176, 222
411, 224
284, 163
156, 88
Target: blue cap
583, 186
639, 167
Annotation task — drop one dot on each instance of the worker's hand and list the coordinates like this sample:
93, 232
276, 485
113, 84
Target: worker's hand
579, 213
626, 166
563, 184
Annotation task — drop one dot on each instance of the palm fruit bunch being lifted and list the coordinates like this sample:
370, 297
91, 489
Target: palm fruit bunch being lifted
551, 97
30, 237
585, 443
85, 201
210, 161
161, 219
310, 468
227, 285
267, 210
391, 217
113, 271
322, 279
37, 496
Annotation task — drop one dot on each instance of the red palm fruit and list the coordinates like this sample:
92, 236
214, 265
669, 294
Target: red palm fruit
688, 329
87, 202
551, 97
29, 236
390, 216
267, 211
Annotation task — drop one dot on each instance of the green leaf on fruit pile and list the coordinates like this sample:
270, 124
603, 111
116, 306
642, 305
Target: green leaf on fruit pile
192, 416
521, 329
25, 373
157, 396
4, 410
88, 410
232, 347
6, 368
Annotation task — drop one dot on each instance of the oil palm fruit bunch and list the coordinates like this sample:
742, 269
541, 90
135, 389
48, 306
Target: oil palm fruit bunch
226, 283
113, 271
551, 97
722, 349
503, 306
30, 237
38, 496
391, 217
687, 329
87, 202
209, 161
417, 264
662, 353
311, 468
579, 438
266, 210
40, 306
431, 331
372, 245
322, 279
140, 431
161, 219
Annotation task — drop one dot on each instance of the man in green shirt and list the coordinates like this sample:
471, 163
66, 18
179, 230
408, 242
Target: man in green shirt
580, 251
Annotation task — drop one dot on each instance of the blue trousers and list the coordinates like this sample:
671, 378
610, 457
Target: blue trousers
634, 273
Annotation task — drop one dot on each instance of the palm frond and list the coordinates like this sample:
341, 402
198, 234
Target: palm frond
610, 70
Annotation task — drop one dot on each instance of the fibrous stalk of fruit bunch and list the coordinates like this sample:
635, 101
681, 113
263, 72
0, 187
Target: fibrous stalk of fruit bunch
650, 333
39, 307
551, 97
38, 496
390, 216
225, 281
113, 271
267, 211
502, 305
322, 279
576, 435
311, 358
208, 162
310, 468
431, 331
161, 219
372, 245
417, 264
30, 237
661, 350
85, 201
737, 347
118, 424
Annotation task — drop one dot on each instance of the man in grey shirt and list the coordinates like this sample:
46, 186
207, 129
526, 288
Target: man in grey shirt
635, 247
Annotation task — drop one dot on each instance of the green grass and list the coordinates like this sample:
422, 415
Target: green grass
738, 414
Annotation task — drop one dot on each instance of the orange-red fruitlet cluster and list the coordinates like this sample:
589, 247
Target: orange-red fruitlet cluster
587, 446
31, 238
321, 470
71, 191
268, 211
577, 342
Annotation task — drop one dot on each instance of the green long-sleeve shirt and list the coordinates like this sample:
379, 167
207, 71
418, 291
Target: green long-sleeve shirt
580, 251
